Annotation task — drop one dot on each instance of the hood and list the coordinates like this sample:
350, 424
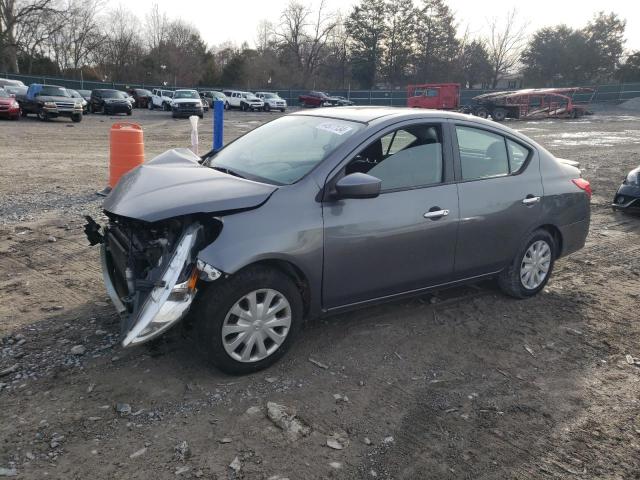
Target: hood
187, 100
116, 100
55, 98
174, 184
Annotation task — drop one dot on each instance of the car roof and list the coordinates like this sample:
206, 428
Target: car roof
367, 114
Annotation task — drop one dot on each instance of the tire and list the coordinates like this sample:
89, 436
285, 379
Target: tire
105, 111
282, 110
76, 118
226, 105
217, 299
243, 107
267, 107
511, 278
129, 112
150, 105
16, 118
499, 114
481, 112
165, 107
42, 116
201, 116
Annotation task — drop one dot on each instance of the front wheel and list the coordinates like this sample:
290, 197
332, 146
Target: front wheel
129, 112
76, 118
42, 115
248, 322
267, 107
530, 270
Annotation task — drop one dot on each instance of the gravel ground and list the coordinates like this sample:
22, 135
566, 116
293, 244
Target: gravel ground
466, 383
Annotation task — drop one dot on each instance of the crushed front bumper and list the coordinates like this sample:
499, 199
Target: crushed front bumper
150, 306
627, 198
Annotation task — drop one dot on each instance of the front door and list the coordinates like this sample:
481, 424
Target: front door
402, 240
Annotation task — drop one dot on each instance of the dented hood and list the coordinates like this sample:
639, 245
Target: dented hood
174, 184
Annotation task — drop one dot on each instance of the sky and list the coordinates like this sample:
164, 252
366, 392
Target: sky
219, 22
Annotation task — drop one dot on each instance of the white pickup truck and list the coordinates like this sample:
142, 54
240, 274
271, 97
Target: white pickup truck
161, 98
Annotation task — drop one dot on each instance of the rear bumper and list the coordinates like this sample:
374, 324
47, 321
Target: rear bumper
574, 236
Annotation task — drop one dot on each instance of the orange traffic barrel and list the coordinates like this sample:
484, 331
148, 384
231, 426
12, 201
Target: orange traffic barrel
126, 150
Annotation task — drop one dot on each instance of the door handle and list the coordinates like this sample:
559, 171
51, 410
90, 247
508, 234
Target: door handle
435, 214
530, 200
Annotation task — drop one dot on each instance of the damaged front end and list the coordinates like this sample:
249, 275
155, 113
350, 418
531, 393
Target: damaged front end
151, 269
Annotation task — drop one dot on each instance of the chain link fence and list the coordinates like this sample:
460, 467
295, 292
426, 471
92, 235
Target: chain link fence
613, 93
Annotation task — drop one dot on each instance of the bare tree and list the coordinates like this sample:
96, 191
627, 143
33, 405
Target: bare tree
16, 18
505, 43
79, 36
156, 27
303, 36
265, 38
122, 45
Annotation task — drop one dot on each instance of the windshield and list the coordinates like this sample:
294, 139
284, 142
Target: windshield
166, 93
85, 93
142, 92
270, 95
48, 90
186, 94
113, 94
74, 94
284, 150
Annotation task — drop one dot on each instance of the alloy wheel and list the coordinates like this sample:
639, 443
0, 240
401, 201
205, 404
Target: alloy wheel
256, 325
535, 265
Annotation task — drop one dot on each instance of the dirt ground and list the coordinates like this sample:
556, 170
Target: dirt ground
465, 384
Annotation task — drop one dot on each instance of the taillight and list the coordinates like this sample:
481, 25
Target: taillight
583, 184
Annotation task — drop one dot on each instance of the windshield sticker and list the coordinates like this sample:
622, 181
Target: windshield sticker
336, 128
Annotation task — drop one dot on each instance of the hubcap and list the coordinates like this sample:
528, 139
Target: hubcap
256, 326
535, 264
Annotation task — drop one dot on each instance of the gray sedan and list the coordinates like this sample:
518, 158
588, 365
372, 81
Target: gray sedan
319, 212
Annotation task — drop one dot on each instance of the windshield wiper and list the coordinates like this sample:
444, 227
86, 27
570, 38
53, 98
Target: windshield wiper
228, 171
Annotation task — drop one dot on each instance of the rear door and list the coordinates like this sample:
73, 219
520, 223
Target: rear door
404, 239
500, 195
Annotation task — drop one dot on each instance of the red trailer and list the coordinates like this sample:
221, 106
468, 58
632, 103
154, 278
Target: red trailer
439, 96
531, 103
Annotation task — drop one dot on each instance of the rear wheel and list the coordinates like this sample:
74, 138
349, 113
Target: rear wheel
481, 112
499, 114
530, 270
248, 322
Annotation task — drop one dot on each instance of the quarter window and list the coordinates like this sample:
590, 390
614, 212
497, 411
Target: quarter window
406, 158
517, 155
482, 154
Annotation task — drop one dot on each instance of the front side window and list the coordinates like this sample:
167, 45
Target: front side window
409, 157
283, 151
482, 154
431, 92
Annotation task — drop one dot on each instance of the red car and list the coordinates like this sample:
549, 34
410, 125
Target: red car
9, 107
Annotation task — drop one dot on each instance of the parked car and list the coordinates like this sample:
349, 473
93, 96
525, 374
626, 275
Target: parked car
161, 98
50, 101
186, 103
212, 95
343, 101
9, 107
76, 94
272, 101
130, 99
7, 82
86, 94
19, 92
319, 212
109, 102
322, 99
141, 96
627, 197
245, 101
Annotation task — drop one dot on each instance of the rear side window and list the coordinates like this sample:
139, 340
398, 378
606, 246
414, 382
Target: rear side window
517, 155
482, 154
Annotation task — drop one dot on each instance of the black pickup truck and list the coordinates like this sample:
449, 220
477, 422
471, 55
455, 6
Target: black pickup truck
50, 101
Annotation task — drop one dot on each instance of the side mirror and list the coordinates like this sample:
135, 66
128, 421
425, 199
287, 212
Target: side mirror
358, 185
